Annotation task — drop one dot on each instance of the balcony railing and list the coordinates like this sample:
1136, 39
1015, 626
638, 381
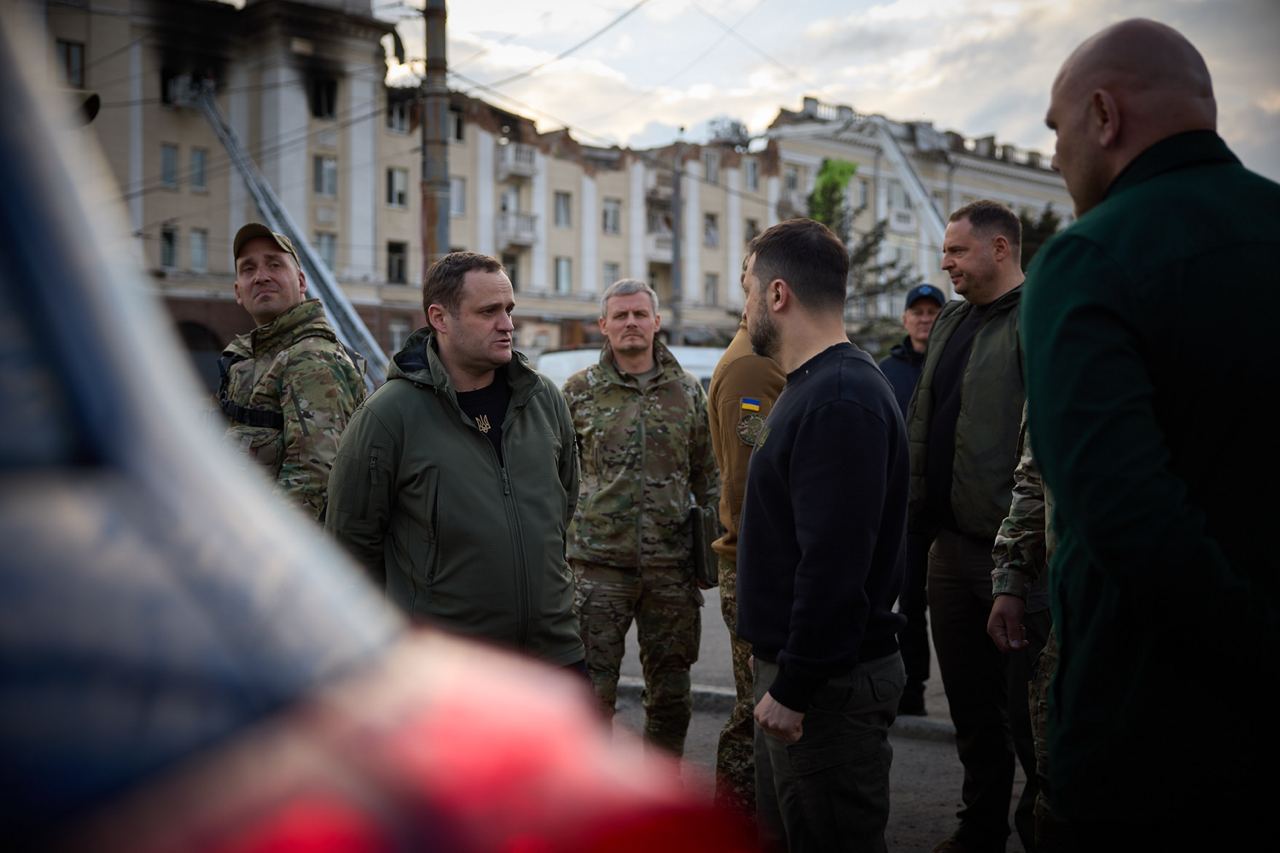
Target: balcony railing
658, 245
516, 228
903, 221
516, 159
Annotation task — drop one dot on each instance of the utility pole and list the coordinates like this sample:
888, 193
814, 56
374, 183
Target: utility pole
676, 329
435, 137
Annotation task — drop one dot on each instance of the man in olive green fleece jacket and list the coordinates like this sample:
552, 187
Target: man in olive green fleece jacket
1165, 585
456, 481
963, 432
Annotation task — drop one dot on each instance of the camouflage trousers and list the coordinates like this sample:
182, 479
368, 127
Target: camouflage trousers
735, 765
666, 607
1051, 833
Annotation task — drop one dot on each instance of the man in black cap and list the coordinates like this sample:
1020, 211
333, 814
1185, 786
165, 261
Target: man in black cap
288, 386
902, 369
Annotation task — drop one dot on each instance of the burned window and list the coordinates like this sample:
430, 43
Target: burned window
322, 95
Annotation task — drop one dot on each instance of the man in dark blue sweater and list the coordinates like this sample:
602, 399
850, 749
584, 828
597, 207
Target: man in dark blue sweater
902, 369
820, 555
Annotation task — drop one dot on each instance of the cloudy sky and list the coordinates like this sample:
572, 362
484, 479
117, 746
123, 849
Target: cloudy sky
976, 66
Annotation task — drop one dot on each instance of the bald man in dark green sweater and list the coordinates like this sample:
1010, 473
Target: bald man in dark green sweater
1146, 326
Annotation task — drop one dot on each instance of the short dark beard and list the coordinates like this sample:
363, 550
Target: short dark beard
764, 337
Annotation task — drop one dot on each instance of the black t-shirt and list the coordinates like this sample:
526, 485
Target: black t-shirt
940, 451
487, 407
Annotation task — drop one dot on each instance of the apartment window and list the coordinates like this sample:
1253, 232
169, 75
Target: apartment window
397, 114
327, 248
455, 125
898, 197
753, 175
398, 187
457, 196
564, 275
864, 192
199, 158
511, 263
711, 166
612, 272
398, 332
199, 250
326, 176
397, 262
564, 210
791, 177
168, 247
322, 96
752, 229
168, 164
612, 216
710, 230
711, 289
71, 63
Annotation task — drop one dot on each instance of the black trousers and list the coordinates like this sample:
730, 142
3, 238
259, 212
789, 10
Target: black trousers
913, 639
987, 692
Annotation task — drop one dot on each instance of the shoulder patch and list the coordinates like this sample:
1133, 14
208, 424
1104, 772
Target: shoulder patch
751, 428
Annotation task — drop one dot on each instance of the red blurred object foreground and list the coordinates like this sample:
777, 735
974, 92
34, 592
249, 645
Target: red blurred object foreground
441, 745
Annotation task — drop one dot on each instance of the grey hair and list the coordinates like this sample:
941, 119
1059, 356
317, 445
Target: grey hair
626, 287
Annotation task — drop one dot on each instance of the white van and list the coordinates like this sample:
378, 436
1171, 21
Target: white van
559, 365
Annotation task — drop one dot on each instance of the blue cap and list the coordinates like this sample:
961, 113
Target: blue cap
925, 291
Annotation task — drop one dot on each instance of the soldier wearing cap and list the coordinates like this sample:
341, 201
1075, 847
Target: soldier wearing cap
902, 369
288, 386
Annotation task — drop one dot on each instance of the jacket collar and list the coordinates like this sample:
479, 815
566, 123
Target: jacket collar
662, 357
1180, 151
419, 362
307, 316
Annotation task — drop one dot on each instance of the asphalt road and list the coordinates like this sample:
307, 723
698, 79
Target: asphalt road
926, 776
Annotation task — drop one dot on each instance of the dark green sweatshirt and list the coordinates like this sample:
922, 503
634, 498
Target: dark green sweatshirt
1148, 328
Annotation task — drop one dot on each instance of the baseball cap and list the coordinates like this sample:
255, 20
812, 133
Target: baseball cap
257, 229
923, 291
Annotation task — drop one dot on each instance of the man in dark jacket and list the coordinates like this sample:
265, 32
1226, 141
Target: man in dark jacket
902, 369
1165, 585
964, 428
456, 481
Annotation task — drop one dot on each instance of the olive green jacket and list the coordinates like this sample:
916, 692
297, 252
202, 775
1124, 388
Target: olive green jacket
419, 497
987, 430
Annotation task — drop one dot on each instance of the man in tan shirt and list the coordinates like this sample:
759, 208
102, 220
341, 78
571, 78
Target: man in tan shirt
743, 388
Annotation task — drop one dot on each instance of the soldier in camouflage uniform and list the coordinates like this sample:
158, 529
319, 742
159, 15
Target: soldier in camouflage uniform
288, 387
645, 446
743, 388
1022, 550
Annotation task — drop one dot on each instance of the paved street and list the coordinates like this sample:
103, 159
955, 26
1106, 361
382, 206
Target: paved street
926, 774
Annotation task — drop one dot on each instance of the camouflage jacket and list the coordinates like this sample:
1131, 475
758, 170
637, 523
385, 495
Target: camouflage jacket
643, 453
288, 390
1026, 539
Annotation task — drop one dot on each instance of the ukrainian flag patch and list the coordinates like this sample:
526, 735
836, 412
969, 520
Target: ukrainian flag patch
750, 404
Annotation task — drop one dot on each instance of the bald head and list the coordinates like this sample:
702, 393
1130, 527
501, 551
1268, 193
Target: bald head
1120, 92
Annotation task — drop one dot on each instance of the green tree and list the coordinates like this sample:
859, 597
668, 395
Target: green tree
869, 276
1036, 232
828, 203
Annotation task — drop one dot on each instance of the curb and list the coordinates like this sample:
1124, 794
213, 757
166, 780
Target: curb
720, 700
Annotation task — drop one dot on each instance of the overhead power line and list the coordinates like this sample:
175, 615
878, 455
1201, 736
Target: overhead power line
586, 41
